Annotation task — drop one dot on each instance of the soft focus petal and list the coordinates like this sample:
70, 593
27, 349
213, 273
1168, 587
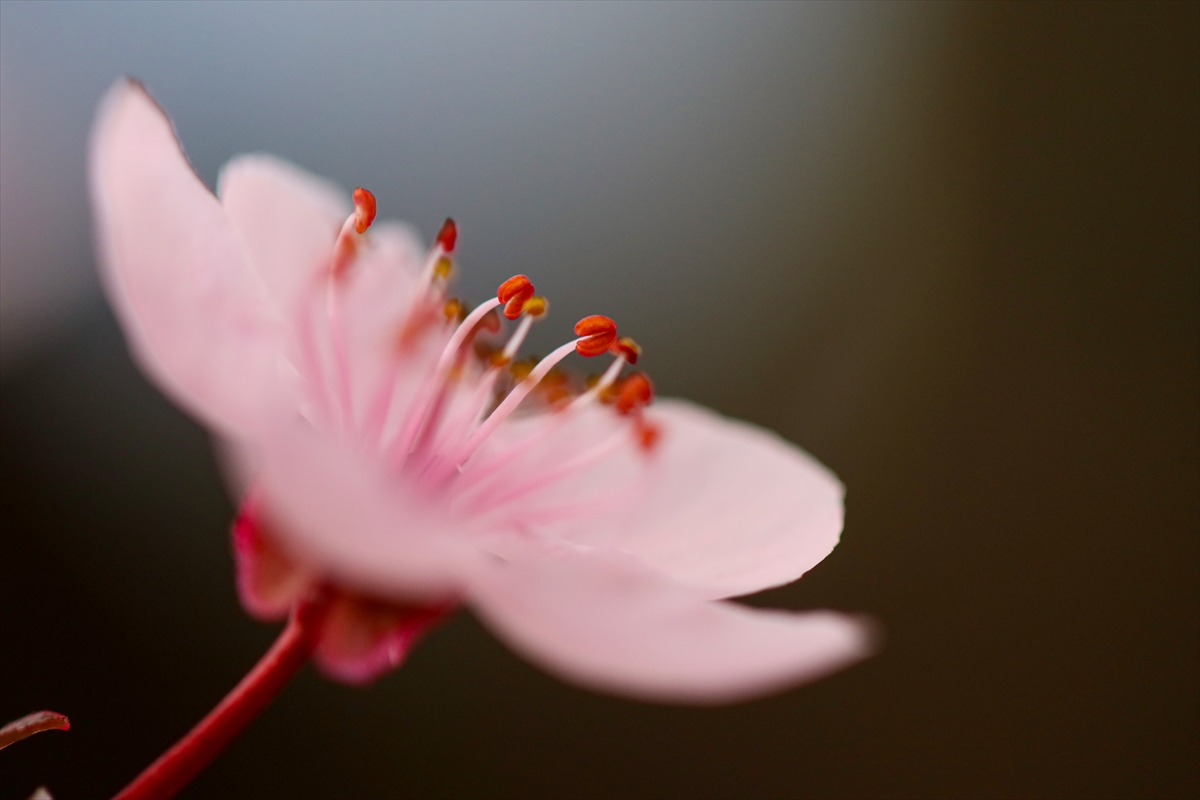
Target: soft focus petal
387, 336
286, 218
195, 314
364, 638
606, 622
379, 290
269, 579
237, 463
338, 508
726, 506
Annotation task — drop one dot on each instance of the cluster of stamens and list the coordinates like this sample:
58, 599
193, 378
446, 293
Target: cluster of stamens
440, 431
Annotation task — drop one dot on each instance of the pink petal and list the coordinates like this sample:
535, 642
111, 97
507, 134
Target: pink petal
236, 463
195, 314
364, 638
603, 621
339, 508
286, 219
381, 282
724, 506
269, 579
377, 307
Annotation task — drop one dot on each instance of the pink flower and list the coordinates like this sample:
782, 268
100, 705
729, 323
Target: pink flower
404, 466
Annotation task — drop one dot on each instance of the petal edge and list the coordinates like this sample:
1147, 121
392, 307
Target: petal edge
194, 313
605, 622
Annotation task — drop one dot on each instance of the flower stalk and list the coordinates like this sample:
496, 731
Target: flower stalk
175, 768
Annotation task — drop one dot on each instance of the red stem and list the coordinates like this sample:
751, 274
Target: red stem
176, 768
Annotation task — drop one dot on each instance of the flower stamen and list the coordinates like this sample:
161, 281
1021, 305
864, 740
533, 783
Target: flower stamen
448, 236
479, 473
340, 358
364, 210
592, 331
490, 501
598, 333
439, 263
627, 348
515, 293
413, 422
454, 310
516, 290
610, 375
636, 392
534, 308
345, 248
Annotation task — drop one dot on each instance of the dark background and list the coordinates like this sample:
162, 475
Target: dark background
954, 251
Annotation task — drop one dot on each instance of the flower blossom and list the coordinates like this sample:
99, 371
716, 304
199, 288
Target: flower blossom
407, 462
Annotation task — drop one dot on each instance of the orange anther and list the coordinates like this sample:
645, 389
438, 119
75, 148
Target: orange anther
628, 349
448, 235
515, 293
364, 209
636, 391
596, 325
600, 333
443, 268
512, 309
516, 285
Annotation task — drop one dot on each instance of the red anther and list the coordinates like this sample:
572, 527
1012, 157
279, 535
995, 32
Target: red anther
448, 235
515, 293
636, 391
364, 209
627, 348
648, 435
600, 333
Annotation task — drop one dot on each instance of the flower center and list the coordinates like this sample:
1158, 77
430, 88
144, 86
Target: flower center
432, 411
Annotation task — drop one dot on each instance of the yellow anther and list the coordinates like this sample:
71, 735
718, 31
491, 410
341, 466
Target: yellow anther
454, 310
536, 306
443, 268
521, 369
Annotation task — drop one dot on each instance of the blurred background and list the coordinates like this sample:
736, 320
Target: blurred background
952, 250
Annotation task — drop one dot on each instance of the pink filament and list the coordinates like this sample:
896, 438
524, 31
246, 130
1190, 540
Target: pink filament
510, 403
436, 384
